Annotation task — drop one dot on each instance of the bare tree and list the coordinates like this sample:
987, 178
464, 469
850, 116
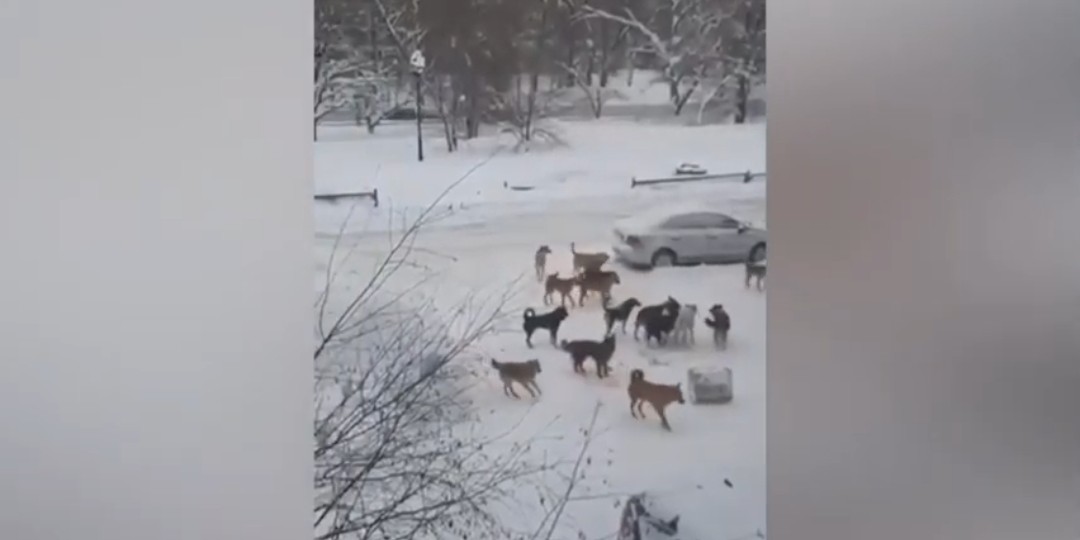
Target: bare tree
684, 38
394, 455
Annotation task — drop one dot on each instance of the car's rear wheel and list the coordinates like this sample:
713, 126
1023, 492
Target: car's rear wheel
663, 258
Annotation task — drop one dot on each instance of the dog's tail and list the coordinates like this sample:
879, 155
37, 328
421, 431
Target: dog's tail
710, 323
573, 249
529, 313
637, 375
495, 363
564, 344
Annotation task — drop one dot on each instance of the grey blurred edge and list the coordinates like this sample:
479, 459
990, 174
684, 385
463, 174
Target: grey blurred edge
924, 298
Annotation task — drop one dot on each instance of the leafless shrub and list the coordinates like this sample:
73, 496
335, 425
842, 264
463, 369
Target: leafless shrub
396, 453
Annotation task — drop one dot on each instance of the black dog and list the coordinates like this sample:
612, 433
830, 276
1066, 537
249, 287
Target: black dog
600, 351
720, 322
549, 321
619, 313
658, 327
651, 312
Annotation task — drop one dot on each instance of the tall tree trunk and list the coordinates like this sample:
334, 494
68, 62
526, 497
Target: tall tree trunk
604, 53
742, 98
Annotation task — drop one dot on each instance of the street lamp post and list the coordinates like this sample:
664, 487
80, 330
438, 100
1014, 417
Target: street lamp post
418, 64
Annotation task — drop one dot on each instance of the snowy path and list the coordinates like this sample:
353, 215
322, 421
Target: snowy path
709, 443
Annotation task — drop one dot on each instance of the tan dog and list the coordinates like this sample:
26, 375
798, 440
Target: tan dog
523, 373
587, 261
540, 261
755, 270
658, 395
555, 284
600, 281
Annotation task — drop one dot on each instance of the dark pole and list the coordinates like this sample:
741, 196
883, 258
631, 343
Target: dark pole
419, 117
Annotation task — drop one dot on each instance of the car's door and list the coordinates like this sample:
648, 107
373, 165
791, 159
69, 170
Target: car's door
685, 234
722, 238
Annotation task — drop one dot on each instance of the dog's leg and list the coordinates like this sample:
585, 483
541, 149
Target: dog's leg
536, 386
693, 339
723, 340
554, 333
663, 418
528, 337
748, 276
528, 387
510, 387
506, 389
640, 411
632, 411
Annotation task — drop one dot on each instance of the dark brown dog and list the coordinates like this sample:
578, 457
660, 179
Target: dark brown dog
549, 321
587, 261
619, 313
659, 396
650, 312
720, 322
659, 327
600, 351
556, 284
600, 281
523, 373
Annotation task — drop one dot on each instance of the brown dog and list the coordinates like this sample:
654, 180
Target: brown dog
755, 270
540, 261
524, 373
587, 261
555, 284
600, 351
658, 395
600, 281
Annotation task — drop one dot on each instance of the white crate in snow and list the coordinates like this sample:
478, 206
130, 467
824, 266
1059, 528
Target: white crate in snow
710, 385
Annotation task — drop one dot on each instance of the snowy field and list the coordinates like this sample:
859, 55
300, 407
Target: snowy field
483, 244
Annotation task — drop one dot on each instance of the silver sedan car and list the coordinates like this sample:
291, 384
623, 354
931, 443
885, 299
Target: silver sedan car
685, 236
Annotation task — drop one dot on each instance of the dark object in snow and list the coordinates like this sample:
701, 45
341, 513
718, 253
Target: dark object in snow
690, 169
506, 185
727, 482
638, 523
712, 386
333, 197
746, 177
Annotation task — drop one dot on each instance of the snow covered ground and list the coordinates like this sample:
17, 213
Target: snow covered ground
485, 244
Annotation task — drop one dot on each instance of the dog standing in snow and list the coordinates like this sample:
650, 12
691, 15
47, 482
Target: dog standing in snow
684, 323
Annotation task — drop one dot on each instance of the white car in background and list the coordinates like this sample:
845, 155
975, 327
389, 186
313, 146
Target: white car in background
686, 235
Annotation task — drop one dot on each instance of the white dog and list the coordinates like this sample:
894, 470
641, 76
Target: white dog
684, 323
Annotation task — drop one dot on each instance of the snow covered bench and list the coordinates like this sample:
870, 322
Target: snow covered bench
712, 385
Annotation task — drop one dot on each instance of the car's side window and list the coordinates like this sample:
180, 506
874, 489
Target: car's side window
701, 221
728, 223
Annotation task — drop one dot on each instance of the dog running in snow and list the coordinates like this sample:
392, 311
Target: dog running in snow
659, 396
651, 312
523, 373
720, 322
587, 261
600, 281
549, 321
563, 286
600, 351
540, 261
619, 313
660, 327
